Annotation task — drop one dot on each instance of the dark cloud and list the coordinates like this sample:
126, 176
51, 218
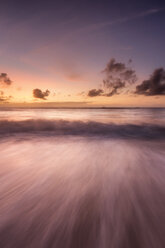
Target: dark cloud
95, 92
37, 93
154, 86
117, 77
114, 90
114, 66
4, 79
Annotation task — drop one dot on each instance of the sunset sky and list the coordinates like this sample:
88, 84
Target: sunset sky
54, 53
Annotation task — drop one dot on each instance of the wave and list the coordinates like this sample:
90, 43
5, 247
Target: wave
81, 128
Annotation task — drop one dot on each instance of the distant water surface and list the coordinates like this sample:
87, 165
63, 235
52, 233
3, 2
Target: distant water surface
127, 115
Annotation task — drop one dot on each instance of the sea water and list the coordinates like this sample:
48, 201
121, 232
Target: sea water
82, 178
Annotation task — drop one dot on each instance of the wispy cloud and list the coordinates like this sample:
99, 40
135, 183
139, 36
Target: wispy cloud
4, 98
146, 13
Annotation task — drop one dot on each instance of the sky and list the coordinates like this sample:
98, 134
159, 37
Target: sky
82, 53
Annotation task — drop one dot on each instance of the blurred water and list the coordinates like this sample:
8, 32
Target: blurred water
127, 115
82, 191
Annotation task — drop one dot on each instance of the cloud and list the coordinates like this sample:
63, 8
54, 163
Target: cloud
4, 98
154, 86
136, 16
117, 86
5, 80
74, 76
95, 92
82, 93
117, 71
117, 76
37, 93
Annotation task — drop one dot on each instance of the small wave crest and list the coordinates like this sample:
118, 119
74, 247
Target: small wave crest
63, 127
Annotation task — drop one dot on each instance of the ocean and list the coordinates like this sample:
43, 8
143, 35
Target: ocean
82, 178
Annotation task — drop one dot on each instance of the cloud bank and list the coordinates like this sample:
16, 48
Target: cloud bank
118, 76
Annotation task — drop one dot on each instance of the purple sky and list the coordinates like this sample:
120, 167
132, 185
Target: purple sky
64, 45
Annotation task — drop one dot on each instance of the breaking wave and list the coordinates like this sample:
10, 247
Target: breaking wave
81, 128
